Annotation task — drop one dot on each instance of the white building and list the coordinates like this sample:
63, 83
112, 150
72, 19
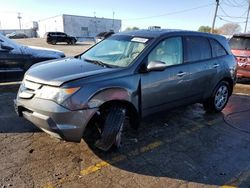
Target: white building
78, 26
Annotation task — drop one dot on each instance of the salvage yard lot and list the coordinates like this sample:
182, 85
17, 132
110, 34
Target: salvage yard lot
180, 148
69, 50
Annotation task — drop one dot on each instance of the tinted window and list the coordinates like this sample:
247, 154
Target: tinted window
240, 43
168, 51
217, 49
196, 48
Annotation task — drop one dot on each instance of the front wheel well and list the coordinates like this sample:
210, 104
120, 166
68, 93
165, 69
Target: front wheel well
131, 111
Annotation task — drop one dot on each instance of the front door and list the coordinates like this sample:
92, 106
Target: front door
165, 89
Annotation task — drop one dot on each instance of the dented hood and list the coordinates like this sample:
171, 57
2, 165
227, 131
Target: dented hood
57, 72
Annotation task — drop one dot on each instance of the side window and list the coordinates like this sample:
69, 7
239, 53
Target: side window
168, 51
196, 48
217, 48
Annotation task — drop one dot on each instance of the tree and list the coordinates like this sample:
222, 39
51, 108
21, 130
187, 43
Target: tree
131, 28
229, 29
207, 29
203, 28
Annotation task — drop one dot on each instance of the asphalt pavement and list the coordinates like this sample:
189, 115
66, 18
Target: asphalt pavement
185, 147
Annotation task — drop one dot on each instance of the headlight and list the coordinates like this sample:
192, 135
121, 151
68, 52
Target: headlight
56, 94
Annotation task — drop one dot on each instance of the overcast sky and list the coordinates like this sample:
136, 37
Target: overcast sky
178, 14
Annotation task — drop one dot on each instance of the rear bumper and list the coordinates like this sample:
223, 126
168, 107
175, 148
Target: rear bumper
243, 73
55, 119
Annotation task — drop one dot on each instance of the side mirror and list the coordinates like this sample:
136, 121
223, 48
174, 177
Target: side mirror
156, 66
7, 48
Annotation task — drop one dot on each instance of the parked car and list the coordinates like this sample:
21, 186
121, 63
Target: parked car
15, 35
240, 45
127, 77
15, 58
103, 35
55, 37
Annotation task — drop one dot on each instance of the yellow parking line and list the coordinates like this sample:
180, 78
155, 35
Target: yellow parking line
119, 158
213, 122
228, 186
94, 168
136, 152
49, 185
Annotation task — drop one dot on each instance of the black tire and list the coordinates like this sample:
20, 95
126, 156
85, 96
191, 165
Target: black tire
112, 127
219, 98
53, 42
73, 42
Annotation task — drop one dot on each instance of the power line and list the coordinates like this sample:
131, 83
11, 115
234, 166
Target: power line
170, 13
229, 21
227, 15
234, 3
247, 17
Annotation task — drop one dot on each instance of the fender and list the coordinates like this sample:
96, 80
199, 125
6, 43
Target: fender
111, 94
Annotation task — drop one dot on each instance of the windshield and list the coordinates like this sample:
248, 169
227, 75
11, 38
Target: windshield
240, 43
117, 51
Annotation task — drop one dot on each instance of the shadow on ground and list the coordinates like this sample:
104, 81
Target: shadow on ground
9, 121
188, 144
184, 144
243, 81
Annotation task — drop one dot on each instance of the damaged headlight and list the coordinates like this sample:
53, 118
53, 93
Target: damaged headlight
56, 94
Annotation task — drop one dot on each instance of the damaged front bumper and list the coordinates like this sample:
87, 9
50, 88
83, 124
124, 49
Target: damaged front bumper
55, 119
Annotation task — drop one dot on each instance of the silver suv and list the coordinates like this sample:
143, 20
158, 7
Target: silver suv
128, 76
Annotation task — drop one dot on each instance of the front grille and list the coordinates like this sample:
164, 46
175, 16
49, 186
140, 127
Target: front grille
28, 89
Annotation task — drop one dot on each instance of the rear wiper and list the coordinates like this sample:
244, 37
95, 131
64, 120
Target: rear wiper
97, 62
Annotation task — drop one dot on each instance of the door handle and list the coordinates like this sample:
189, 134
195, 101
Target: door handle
216, 65
180, 74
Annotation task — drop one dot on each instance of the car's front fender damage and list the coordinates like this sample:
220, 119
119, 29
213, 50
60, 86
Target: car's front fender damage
114, 99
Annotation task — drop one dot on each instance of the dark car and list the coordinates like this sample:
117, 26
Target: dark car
240, 45
125, 78
15, 59
56, 37
103, 35
16, 35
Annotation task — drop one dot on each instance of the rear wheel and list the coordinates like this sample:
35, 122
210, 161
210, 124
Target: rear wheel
220, 97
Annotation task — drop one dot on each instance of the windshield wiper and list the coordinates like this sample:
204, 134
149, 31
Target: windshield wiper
98, 62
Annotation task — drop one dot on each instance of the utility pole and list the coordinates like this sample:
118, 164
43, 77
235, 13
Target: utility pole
247, 18
19, 18
215, 15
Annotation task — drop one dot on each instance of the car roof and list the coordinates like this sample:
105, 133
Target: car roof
154, 33
241, 35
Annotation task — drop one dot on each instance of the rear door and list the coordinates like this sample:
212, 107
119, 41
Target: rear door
198, 56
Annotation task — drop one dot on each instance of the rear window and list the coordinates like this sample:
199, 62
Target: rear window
196, 49
240, 43
217, 48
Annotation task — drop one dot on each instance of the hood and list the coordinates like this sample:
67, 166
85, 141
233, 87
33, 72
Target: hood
42, 52
56, 72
